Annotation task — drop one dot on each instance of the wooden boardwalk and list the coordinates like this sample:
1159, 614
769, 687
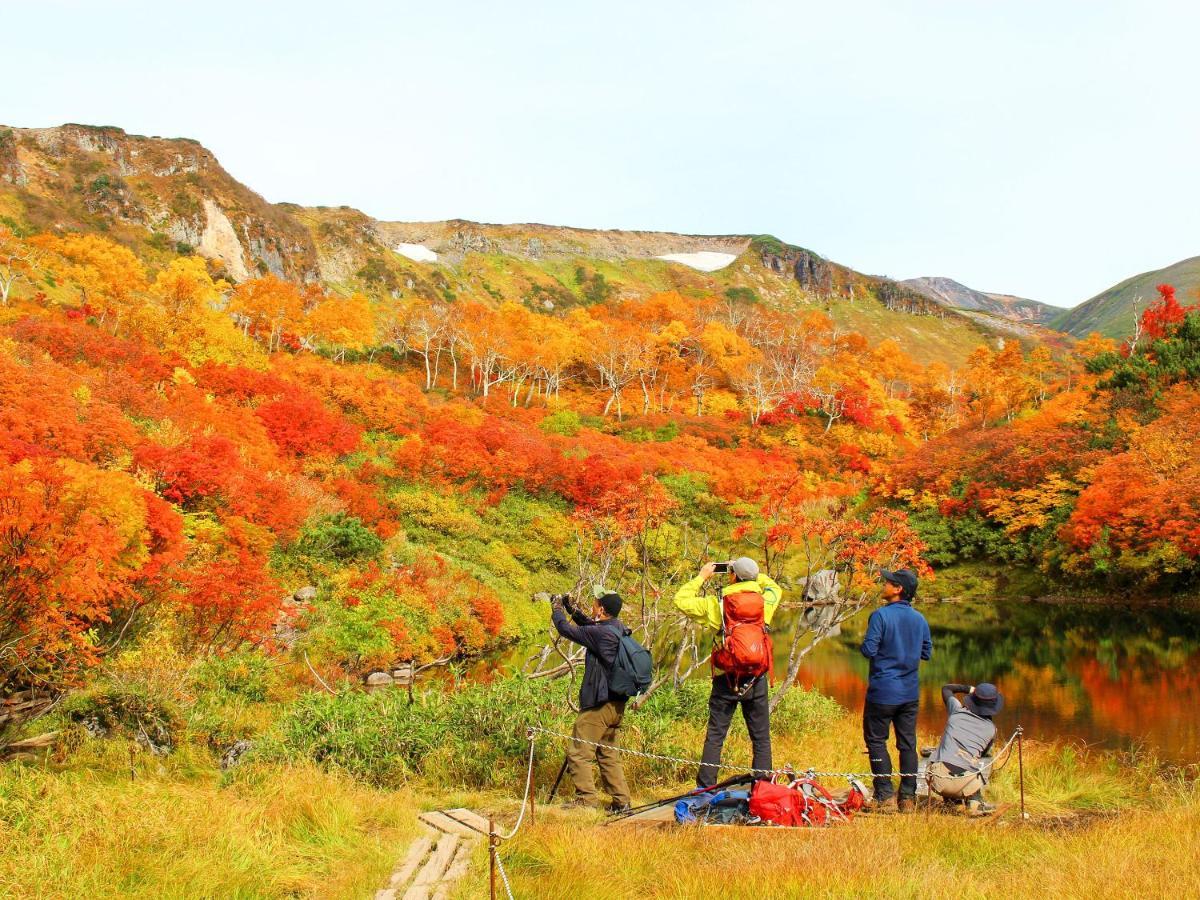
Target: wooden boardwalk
438, 858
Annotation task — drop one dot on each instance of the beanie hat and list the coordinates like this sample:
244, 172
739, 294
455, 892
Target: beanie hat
745, 568
611, 604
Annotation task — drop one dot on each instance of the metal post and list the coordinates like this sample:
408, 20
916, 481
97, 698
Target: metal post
492, 856
1021, 767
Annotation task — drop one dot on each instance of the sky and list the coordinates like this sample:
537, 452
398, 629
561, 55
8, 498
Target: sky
1047, 149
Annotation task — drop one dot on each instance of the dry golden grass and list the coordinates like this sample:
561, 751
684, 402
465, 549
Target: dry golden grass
1141, 853
281, 832
1100, 825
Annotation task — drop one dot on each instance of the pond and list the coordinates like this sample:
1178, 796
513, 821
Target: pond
1109, 676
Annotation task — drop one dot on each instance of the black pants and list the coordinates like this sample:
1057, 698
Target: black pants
723, 700
878, 719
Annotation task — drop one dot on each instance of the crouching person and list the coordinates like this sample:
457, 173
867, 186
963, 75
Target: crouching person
741, 656
600, 710
957, 770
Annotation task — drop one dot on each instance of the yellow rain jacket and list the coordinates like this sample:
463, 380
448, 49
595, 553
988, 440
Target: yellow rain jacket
707, 609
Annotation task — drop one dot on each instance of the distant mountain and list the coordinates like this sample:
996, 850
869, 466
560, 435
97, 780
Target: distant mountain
1113, 312
164, 197
954, 295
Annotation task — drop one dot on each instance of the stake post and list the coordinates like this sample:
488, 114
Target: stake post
1021, 767
492, 857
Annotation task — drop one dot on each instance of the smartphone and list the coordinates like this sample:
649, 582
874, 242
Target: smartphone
722, 568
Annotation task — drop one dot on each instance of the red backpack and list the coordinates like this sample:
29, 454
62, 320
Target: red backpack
744, 649
804, 802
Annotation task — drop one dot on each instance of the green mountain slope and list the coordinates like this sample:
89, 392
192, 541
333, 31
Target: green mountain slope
1113, 312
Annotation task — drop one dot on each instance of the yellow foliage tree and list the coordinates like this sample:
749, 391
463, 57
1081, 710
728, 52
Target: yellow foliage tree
343, 324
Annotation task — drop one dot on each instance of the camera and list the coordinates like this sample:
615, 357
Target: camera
722, 568
543, 597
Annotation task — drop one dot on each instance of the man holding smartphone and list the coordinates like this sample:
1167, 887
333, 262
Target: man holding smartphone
739, 615
600, 710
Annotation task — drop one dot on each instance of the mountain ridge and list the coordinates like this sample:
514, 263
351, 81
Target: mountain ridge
169, 196
956, 295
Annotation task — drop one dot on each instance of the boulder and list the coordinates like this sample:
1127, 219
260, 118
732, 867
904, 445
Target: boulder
233, 756
378, 680
306, 594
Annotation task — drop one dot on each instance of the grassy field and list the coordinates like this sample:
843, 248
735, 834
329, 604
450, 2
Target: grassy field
1100, 825
88, 830
76, 823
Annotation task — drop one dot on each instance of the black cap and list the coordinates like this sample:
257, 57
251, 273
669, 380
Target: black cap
985, 700
611, 604
906, 578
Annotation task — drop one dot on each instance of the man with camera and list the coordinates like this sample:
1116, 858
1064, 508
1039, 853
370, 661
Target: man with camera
741, 657
600, 709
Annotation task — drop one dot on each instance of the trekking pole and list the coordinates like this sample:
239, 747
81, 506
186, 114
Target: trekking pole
1021, 767
492, 856
557, 781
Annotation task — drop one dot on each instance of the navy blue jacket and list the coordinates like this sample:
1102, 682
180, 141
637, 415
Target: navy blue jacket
896, 642
601, 640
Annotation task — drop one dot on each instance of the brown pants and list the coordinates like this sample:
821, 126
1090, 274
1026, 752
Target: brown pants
599, 724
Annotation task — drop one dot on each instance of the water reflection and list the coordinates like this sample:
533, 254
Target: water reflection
1108, 676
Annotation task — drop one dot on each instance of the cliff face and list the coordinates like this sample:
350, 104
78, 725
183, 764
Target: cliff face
93, 178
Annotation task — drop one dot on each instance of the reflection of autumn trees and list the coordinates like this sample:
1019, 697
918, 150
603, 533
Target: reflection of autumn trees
1086, 672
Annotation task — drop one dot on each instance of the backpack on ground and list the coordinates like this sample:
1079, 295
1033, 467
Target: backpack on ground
714, 808
803, 803
744, 648
632, 668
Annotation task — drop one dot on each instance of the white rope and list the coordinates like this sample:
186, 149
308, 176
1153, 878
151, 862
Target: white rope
503, 876
525, 799
811, 773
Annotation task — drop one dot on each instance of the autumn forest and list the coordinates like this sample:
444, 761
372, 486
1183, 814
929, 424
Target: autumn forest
264, 465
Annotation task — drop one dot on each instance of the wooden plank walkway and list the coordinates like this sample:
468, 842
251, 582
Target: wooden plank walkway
438, 858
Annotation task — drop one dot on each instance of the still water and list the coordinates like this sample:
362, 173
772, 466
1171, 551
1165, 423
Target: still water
1104, 675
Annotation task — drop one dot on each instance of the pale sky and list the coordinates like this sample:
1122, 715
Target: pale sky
1047, 149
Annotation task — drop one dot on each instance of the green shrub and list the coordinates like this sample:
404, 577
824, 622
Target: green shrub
802, 711
244, 674
563, 421
115, 709
742, 295
339, 539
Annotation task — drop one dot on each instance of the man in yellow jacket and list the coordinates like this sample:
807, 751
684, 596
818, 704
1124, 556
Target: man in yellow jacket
741, 656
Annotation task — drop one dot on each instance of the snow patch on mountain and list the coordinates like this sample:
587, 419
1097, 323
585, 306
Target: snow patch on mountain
418, 252
704, 260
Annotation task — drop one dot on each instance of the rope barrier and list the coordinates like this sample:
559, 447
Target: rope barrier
504, 877
525, 799
812, 773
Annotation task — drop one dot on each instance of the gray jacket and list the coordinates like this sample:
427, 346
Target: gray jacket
967, 737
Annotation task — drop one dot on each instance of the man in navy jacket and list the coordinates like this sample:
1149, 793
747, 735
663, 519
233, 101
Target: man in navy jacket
896, 642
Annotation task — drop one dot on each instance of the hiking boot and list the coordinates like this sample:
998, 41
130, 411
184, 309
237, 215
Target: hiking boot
881, 805
906, 804
580, 804
978, 808
617, 808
